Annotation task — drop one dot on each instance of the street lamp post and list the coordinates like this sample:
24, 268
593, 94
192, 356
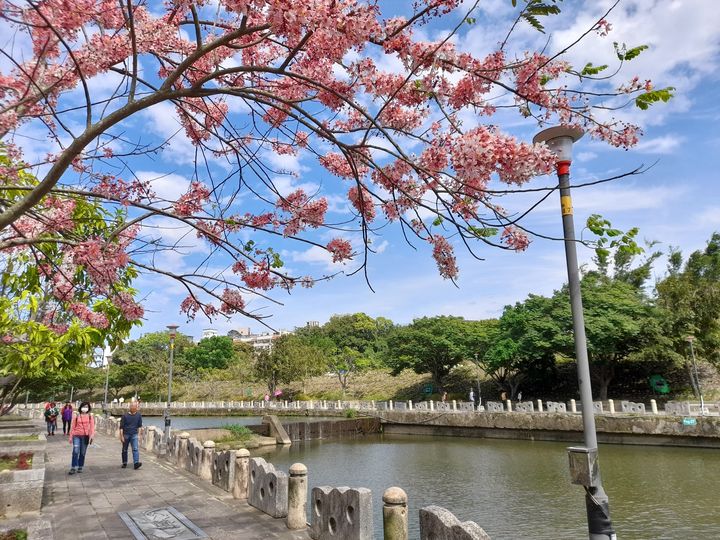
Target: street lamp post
172, 330
690, 340
107, 355
584, 465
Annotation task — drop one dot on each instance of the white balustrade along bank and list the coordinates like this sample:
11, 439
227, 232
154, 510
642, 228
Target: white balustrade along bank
612, 407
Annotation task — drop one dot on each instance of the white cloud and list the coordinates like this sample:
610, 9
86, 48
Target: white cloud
660, 145
168, 186
164, 123
586, 156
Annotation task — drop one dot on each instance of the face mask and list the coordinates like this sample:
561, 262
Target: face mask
84, 409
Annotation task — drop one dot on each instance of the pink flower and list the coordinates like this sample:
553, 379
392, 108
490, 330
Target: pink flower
444, 256
340, 249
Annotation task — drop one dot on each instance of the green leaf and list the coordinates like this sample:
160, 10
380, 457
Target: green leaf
483, 232
437, 221
625, 54
635, 52
643, 101
470, 20
589, 69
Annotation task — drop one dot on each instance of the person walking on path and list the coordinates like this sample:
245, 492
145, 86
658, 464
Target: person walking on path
130, 425
67, 416
51, 414
82, 432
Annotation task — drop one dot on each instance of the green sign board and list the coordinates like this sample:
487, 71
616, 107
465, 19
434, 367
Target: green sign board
659, 384
689, 421
428, 389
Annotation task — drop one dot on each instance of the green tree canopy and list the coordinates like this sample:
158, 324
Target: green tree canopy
215, 352
432, 345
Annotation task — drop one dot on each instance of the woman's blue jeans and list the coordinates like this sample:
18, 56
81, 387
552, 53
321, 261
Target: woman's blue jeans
79, 449
131, 440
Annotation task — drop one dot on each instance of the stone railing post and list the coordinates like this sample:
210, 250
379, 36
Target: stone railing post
410, 405
432, 405
508, 404
395, 514
242, 473
297, 497
454, 405
573, 406
611, 406
205, 466
653, 406
390, 405
540, 405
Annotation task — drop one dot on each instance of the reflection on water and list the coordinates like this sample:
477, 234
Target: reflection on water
521, 489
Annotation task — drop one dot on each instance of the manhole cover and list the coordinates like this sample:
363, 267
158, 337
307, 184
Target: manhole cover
161, 524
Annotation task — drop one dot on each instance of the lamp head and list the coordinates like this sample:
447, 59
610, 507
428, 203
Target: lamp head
690, 339
560, 140
172, 329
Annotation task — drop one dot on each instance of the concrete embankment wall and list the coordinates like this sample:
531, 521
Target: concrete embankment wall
305, 431
626, 429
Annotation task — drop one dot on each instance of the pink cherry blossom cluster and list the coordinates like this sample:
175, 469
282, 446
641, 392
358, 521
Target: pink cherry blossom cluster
340, 249
130, 309
101, 260
302, 211
603, 27
191, 203
89, 317
444, 256
515, 238
232, 302
362, 200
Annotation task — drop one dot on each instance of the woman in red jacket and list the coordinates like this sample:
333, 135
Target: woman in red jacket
82, 432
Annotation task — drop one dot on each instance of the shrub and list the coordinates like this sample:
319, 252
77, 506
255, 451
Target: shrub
237, 432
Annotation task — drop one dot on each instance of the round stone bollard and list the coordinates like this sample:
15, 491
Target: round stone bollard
653, 406
395, 514
205, 468
242, 474
297, 497
611, 406
181, 457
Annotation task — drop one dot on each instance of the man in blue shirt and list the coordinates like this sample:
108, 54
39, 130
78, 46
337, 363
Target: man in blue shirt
130, 426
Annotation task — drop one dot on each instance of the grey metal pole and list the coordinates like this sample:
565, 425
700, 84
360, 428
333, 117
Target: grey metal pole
169, 398
107, 375
596, 500
697, 378
72, 391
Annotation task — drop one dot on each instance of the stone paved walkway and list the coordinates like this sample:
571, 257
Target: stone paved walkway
86, 506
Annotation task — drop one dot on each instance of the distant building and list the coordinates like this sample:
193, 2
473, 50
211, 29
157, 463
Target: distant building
259, 342
312, 324
209, 332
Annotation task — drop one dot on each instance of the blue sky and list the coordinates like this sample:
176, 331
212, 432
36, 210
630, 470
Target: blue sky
676, 202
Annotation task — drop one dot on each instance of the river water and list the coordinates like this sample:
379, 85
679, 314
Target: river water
520, 490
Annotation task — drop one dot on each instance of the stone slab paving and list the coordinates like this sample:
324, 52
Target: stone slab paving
85, 506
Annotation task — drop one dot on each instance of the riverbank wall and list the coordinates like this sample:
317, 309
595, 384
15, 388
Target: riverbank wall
652, 430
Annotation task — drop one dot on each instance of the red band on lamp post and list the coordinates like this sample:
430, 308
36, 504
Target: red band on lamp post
563, 167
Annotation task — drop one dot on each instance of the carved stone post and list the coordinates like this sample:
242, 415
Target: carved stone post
297, 497
395, 514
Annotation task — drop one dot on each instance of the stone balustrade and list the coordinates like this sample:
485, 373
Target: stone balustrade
684, 408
